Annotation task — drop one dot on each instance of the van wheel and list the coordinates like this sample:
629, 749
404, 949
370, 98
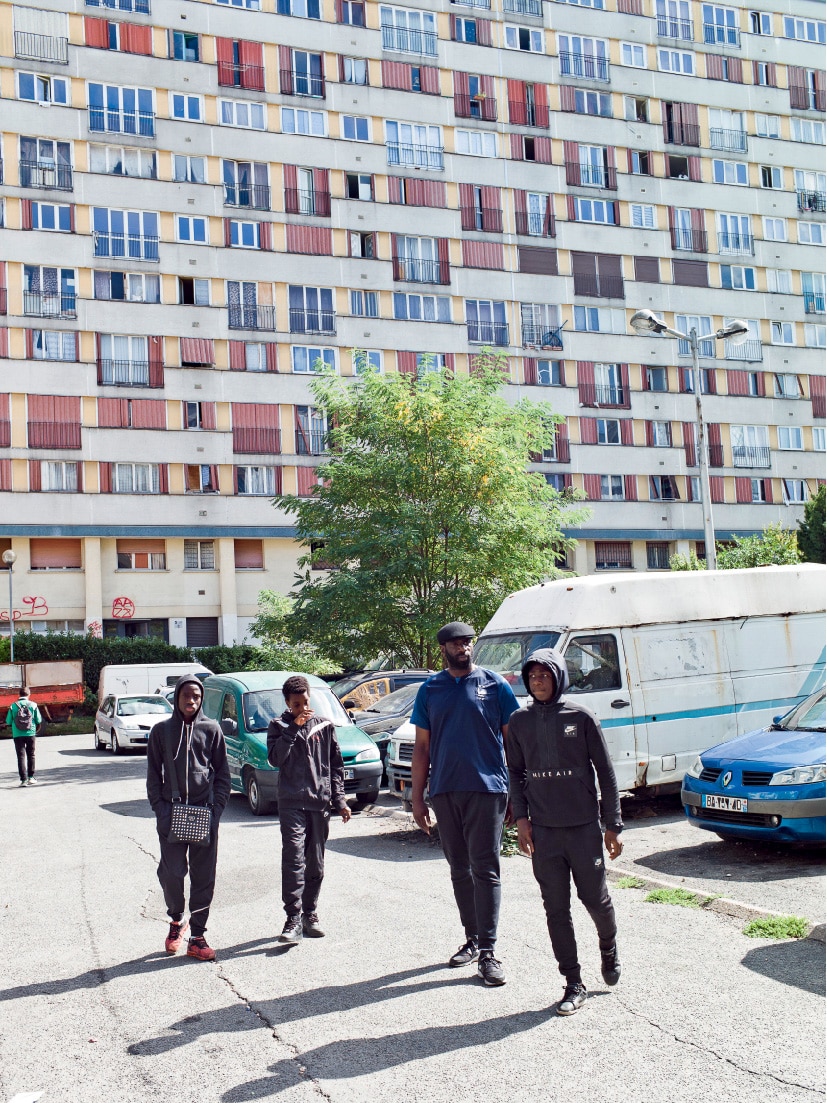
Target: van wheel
258, 805
364, 799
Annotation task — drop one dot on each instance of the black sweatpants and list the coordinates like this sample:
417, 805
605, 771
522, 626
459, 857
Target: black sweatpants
24, 748
560, 854
178, 858
470, 830
303, 836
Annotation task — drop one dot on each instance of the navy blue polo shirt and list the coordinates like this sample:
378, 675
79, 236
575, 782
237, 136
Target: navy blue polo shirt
465, 717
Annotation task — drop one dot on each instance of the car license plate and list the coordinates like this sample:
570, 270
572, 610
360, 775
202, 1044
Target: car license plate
348, 775
725, 804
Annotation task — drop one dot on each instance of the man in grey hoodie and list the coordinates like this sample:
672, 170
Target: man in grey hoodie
195, 746
554, 749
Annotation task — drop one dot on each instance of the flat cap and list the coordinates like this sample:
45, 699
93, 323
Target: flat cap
456, 630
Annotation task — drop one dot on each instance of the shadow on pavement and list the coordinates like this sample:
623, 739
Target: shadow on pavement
137, 808
800, 964
735, 861
397, 846
99, 770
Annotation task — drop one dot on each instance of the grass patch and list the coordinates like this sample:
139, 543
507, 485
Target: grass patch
78, 725
682, 898
629, 883
778, 926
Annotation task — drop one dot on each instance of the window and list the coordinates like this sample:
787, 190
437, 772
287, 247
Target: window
818, 438
193, 415
768, 126
783, 333
599, 319
780, 281
366, 360
354, 70
362, 243
663, 488
771, 177
200, 478
633, 54
128, 110
251, 5
193, 292
661, 434
311, 309
296, 121
730, 172
485, 321
241, 113
429, 362
120, 161
55, 555
301, 9
54, 344
192, 230
790, 438
657, 379
611, 488
189, 169
189, 108
558, 482
549, 373
199, 555
657, 556
59, 476
141, 555
52, 216
734, 234
805, 130
786, 385
311, 431
258, 481
124, 360
524, 38
412, 144
136, 478
40, 89
364, 304
45, 163
610, 555
702, 323
735, 277
608, 432
775, 229
421, 308
465, 30
794, 490
640, 162
764, 73
359, 185
479, 143
810, 233
352, 12
245, 235
806, 30
595, 210
408, 30
758, 490
760, 22
720, 26
129, 287
815, 336
355, 128
246, 184
49, 292
644, 215
593, 103
184, 46
636, 109
676, 61
311, 358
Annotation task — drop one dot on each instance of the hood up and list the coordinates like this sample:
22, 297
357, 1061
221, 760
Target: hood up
186, 680
554, 662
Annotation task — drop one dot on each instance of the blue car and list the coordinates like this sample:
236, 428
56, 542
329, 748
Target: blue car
768, 784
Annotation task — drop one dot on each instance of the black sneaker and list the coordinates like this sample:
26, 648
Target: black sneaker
310, 926
573, 999
490, 969
465, 954
292, 931
610, 966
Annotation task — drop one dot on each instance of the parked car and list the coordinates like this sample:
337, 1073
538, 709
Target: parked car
245, 703
126, 721
767, 784
398, 762
359, 691
384, 716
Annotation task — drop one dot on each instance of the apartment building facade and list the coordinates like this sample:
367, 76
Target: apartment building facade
202, 198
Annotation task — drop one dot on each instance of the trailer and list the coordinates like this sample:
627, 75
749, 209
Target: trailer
57, 687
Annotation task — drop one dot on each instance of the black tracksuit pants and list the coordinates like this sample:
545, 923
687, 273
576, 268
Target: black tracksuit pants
24, 747
178, 858
303, 836
560, 854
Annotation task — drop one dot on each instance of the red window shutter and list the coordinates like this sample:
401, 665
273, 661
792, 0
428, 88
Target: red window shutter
112, 413
627, 432
591, 484
530, 371
271, 356
588, 430
396, 74
434, 193
306, 479
571, 152
630, 487
767, 490
481, 254
321, 192
136, 39
156, 361
797, 81
454, 28
52, 552
542, 151
265, 236
5, 475
466, 207
148, 413
396, 189
449, 361
442, 247
571, 210
772, 81
737, 382
30, 344
541, 104
611, 160
624, 382
197, 350
250, 55
817, 395
26, 213
34, 475
286, 70
406, 363
489, 104
585, 382
649, 434
743, 489
249, 554
714, 67
516, 102
694, 168
735, 70
484, 32
429, 80
689, 443
238, 356
517, 147
97, 32
312, 240
492, 214
291, 189
716, 488
4, 342
105, 477
567, 98
521, 210
214, 483
163, 478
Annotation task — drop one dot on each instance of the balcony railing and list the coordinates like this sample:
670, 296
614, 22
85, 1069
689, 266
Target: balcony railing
311, 442
3, 300
45, 304
136, 246
141, 123
715, 34
252, 317
300, 201
302, 84
750, 455
489, 219
534, 224
45, 174
735, 141
593, 176
410, 41
716, 455
426, 157
524, 7
813, 302
707, 349
683, 134
751, 350
812, 201
124, 373
669, 27
689, 241
531, 114
602, 394
488, 333
473, 3
735, 244
257, 440
417, 271
475, 107
54, 434
140, 6
41, 47
603, 287
545, 337
589, 66
312, 321
255, 196
233, 75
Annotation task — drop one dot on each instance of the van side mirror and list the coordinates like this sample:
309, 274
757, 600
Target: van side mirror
229, 727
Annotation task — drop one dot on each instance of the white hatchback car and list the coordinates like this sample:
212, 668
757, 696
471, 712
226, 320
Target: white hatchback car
125, 721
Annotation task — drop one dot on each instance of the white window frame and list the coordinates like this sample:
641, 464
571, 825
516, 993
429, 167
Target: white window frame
596, 211
357, 121
304, 357
511, 39
819, 438
256, 473
243, 114
121, 155
643, 215
790, 438
186, 107
782, 333
300, 120
146, 474
815, 335
740, 277
201, 555
195, 222
767, 126
612, 488
679, 62
364, 360
810, 233
774, 229
48, 84
633, 54
604, 433
728, 172
476, 143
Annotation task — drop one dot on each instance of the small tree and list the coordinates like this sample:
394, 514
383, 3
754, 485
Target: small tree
277, 651
689, 562
774, 546
811, 531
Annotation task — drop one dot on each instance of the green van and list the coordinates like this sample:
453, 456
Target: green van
245, 703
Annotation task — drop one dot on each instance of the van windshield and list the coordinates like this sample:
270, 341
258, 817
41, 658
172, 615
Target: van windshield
262, 707
506, 654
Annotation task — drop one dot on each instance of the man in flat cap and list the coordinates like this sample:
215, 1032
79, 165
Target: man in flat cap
461, 719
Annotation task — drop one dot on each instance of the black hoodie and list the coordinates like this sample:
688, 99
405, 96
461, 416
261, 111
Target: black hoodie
554, 748
200, 759
309, 761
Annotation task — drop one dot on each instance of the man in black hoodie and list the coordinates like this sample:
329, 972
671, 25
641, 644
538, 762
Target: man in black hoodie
195, 746
554, 749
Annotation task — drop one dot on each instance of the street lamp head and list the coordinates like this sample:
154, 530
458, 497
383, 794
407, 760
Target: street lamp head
645, 321
736, 332
9, 557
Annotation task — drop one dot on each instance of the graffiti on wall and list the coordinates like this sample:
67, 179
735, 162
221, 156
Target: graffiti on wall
34, 606
123, 608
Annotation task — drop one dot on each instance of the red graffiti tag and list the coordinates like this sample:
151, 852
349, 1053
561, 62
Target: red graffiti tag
37, 606
95, 628
123, 608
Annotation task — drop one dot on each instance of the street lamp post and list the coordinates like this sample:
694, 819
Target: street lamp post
8, 558
645, 322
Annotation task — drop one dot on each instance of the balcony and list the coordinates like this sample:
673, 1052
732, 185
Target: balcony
299, 201
473, 3
45, 304
124, 373
489, 219
683, 134
715, 34
415, 270
750, 455
670, 27
54, 434
41, 47
524, 7
716, 455
258, 440
591, 176
310, 442
523, 113
602, 394
734, 141
488, 333
588, 66
132, 246
139, 6
689, 241
544, 337
424, 157
751, 350
3, 300
312, 321
252, 317
45, 174
140, 123
813, 302
534, 224
234, 75
599, 287
812, 201
253, 196
730, 244
475, 107
409, 41
302, 84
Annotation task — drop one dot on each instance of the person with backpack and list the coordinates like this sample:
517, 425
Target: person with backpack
24, 719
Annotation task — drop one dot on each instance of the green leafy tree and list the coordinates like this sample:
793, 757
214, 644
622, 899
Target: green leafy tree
774, 546
811, 531
277, 650
689, 562
426, 512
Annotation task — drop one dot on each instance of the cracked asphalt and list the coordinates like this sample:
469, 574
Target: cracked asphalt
93, 1011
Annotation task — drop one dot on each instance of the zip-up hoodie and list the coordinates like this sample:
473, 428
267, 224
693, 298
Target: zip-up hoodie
309, 761
199, 756
554, 748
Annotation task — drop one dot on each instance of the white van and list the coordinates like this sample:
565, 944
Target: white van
145, 677
670, 664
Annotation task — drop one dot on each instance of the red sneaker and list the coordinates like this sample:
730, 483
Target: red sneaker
197, 947
175, 937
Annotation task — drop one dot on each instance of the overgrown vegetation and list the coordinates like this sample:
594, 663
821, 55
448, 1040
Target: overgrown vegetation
629, 883
811, 531
774, 546
681, 898
778, 926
